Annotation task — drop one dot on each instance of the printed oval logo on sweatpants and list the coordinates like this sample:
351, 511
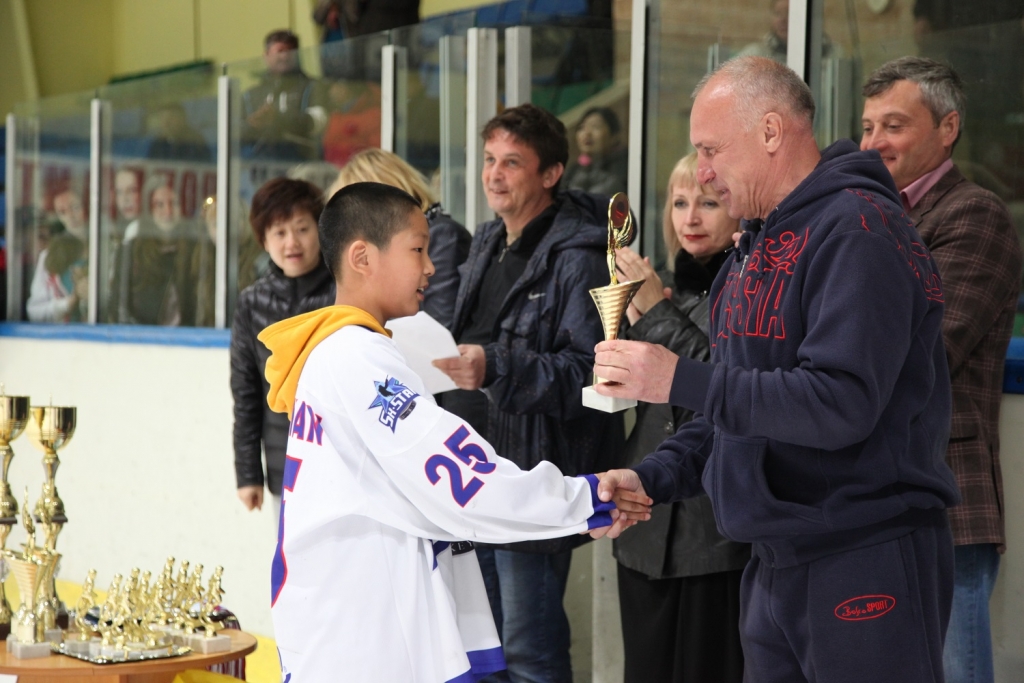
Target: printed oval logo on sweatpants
865, 607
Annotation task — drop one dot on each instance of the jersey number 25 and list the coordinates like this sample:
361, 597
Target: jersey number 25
469, 453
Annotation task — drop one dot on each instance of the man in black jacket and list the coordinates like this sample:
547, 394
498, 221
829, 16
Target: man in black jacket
527, 327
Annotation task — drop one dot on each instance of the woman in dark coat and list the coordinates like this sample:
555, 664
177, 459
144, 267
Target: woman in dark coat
449, 240
679, 579
284, 219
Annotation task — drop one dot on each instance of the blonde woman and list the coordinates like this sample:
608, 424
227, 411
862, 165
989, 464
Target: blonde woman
678, 578
449, 241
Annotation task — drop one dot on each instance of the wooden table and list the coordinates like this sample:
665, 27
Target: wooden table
63, 669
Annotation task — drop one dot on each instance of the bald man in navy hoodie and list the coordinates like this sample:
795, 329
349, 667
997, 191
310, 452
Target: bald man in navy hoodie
824, 413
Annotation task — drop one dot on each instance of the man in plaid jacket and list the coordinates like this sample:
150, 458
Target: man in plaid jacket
913, 114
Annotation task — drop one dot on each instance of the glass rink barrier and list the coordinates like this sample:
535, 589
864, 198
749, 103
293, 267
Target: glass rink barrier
157, 210
129, 204
50, 197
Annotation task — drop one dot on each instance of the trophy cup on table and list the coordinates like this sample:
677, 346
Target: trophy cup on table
50, 428
612, 299
13, 418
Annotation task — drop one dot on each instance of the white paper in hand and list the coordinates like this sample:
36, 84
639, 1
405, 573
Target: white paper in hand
421, 339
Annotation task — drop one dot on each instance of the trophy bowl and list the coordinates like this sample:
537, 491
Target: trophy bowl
13, 420
51, 427
13, 417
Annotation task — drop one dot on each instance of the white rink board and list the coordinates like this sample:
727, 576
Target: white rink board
149, 472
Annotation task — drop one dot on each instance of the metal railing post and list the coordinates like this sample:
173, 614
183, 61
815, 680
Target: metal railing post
394, 100
518, 71
220, 287
481, 106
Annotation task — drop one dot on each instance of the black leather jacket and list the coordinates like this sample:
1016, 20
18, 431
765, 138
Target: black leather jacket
270, 299
680, 539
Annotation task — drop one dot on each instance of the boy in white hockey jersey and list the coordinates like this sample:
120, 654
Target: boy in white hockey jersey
373, 578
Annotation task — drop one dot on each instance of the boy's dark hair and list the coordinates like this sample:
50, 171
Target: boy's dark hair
280, 199
537, 128
368, 211
281, 36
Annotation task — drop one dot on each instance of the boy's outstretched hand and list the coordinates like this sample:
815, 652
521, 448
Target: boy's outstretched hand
622, 487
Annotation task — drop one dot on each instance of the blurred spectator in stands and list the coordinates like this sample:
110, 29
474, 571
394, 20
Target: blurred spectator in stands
351, 18
601, 165
774, 43
152, 278
327, 15
126, 197
172, 137
449, 240
283, 113
284, 219
60, 284
204, 264
354, 122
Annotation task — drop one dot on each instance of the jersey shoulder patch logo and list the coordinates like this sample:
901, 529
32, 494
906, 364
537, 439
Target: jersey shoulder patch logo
395, 400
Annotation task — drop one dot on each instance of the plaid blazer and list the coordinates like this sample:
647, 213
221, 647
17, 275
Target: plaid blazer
975, 246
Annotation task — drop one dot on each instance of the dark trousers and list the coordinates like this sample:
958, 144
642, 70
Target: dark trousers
683, 630
874, 614
526, 591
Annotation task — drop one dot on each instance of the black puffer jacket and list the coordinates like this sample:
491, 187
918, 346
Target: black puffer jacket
270, 299
680, 539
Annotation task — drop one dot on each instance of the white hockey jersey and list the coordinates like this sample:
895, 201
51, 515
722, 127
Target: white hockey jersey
372, 578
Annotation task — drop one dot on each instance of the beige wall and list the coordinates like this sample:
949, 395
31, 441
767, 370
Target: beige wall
72, 43
18, 82
77, 45
152, 34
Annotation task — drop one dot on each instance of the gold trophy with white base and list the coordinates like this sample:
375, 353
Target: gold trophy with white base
613, 299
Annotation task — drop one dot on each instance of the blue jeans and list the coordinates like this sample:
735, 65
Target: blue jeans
526, 591
967, 655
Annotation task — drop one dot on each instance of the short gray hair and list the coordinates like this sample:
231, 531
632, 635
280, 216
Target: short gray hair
941, 88
762, 85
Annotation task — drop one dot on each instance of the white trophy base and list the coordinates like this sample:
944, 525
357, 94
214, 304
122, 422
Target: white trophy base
53, 635
28, 650
607, 404
77, 647
201, 643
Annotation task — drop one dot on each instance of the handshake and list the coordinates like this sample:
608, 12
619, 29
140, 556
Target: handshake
632, 505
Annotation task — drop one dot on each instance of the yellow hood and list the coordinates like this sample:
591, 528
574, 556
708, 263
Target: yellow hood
292, 340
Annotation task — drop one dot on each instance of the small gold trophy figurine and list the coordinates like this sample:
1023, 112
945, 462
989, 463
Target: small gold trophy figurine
13, 418
85, 603
613, 299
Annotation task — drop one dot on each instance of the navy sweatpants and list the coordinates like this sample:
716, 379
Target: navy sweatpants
870, 615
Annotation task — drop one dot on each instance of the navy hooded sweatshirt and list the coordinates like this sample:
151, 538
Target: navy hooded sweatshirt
826, 404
